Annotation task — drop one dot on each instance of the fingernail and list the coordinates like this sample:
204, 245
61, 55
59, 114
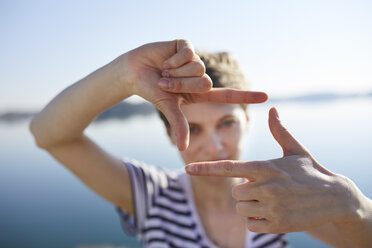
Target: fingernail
192, 168
164, 83
166, 66
276, 113
165, 74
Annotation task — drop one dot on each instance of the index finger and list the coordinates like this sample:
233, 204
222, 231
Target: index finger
226, 168
225, 95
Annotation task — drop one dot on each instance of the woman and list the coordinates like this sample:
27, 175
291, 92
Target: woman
138, 190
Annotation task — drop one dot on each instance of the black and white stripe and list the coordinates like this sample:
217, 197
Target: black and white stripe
164, 217
264, 240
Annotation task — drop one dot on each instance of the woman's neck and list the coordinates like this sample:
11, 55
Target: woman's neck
213, 192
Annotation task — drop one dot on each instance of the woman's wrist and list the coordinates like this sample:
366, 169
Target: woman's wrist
123, 75
355, 225
355, 206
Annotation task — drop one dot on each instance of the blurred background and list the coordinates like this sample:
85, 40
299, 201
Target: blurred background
313, 58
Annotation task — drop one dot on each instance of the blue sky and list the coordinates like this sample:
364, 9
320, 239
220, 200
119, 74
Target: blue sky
287, 47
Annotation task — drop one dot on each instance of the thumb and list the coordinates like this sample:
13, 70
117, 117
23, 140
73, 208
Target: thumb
285, 139
177, 121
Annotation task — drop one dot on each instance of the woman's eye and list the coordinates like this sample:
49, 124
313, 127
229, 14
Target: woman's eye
193, 130
228, 123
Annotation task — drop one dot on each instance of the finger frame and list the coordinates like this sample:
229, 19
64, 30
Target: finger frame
229, 168
230, 96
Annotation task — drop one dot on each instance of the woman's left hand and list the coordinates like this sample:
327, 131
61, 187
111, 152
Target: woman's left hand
289, 194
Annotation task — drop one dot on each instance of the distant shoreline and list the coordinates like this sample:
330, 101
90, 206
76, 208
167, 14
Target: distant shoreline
125, 110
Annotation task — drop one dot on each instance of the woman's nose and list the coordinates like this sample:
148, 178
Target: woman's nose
214, 145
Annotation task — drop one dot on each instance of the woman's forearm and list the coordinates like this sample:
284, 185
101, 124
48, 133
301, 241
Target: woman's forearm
70, 112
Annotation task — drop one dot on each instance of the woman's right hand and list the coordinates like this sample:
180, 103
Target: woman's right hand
169, 74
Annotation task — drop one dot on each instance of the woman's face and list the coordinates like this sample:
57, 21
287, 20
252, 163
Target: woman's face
216, 132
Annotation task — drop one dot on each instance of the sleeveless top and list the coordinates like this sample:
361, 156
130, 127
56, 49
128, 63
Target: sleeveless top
166, 216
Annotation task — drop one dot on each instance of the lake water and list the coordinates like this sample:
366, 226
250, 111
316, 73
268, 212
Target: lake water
43, 205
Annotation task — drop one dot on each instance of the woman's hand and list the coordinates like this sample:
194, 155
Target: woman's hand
289, 194
169, 74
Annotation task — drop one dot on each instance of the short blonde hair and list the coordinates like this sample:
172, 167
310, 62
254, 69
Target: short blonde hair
225, 72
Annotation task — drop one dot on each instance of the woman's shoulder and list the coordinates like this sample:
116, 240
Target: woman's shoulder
165, 178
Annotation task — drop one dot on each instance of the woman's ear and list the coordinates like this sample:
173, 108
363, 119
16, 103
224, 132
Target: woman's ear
172, 136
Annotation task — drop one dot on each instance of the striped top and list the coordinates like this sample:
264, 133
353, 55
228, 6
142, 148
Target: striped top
166, 215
